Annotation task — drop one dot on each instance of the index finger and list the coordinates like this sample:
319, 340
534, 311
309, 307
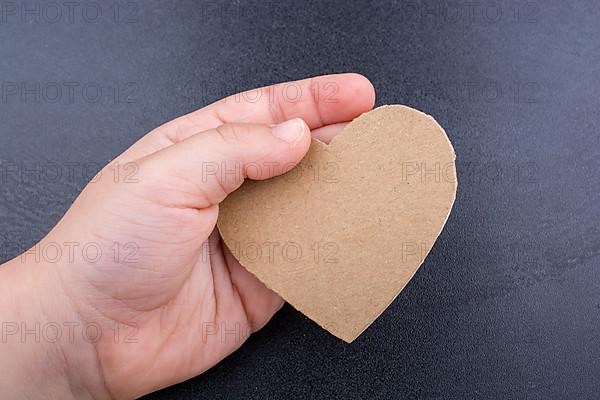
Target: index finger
319, 101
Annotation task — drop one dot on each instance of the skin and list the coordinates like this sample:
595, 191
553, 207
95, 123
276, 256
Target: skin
167, 298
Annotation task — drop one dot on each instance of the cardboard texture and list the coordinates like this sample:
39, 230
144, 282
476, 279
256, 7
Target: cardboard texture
340, 235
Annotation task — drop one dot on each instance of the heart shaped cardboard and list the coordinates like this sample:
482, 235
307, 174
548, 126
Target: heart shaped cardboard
340, 235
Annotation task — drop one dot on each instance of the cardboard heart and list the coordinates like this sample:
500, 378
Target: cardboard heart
340, 235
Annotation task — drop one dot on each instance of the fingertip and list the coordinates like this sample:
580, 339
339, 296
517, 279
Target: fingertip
348, 96
306, 137
279, 150
292, 131
300, 146
361, 87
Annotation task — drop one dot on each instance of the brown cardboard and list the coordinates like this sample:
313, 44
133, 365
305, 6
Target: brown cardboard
339, 236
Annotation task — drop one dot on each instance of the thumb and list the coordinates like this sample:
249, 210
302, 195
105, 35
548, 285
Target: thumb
204, 168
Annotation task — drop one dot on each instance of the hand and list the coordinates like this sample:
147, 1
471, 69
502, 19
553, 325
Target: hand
142, 261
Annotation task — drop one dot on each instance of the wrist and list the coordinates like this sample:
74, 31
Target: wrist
43, 352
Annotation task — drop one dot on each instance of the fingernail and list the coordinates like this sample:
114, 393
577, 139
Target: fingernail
291, 131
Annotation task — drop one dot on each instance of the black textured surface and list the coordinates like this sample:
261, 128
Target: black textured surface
506, 306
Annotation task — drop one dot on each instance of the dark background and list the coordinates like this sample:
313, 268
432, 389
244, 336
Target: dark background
506, 306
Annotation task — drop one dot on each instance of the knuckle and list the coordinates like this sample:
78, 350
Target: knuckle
233, 132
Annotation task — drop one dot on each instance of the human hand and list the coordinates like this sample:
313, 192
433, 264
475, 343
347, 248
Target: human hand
162, 274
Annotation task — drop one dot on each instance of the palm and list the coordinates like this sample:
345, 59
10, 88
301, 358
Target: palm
212, 312
179, 303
